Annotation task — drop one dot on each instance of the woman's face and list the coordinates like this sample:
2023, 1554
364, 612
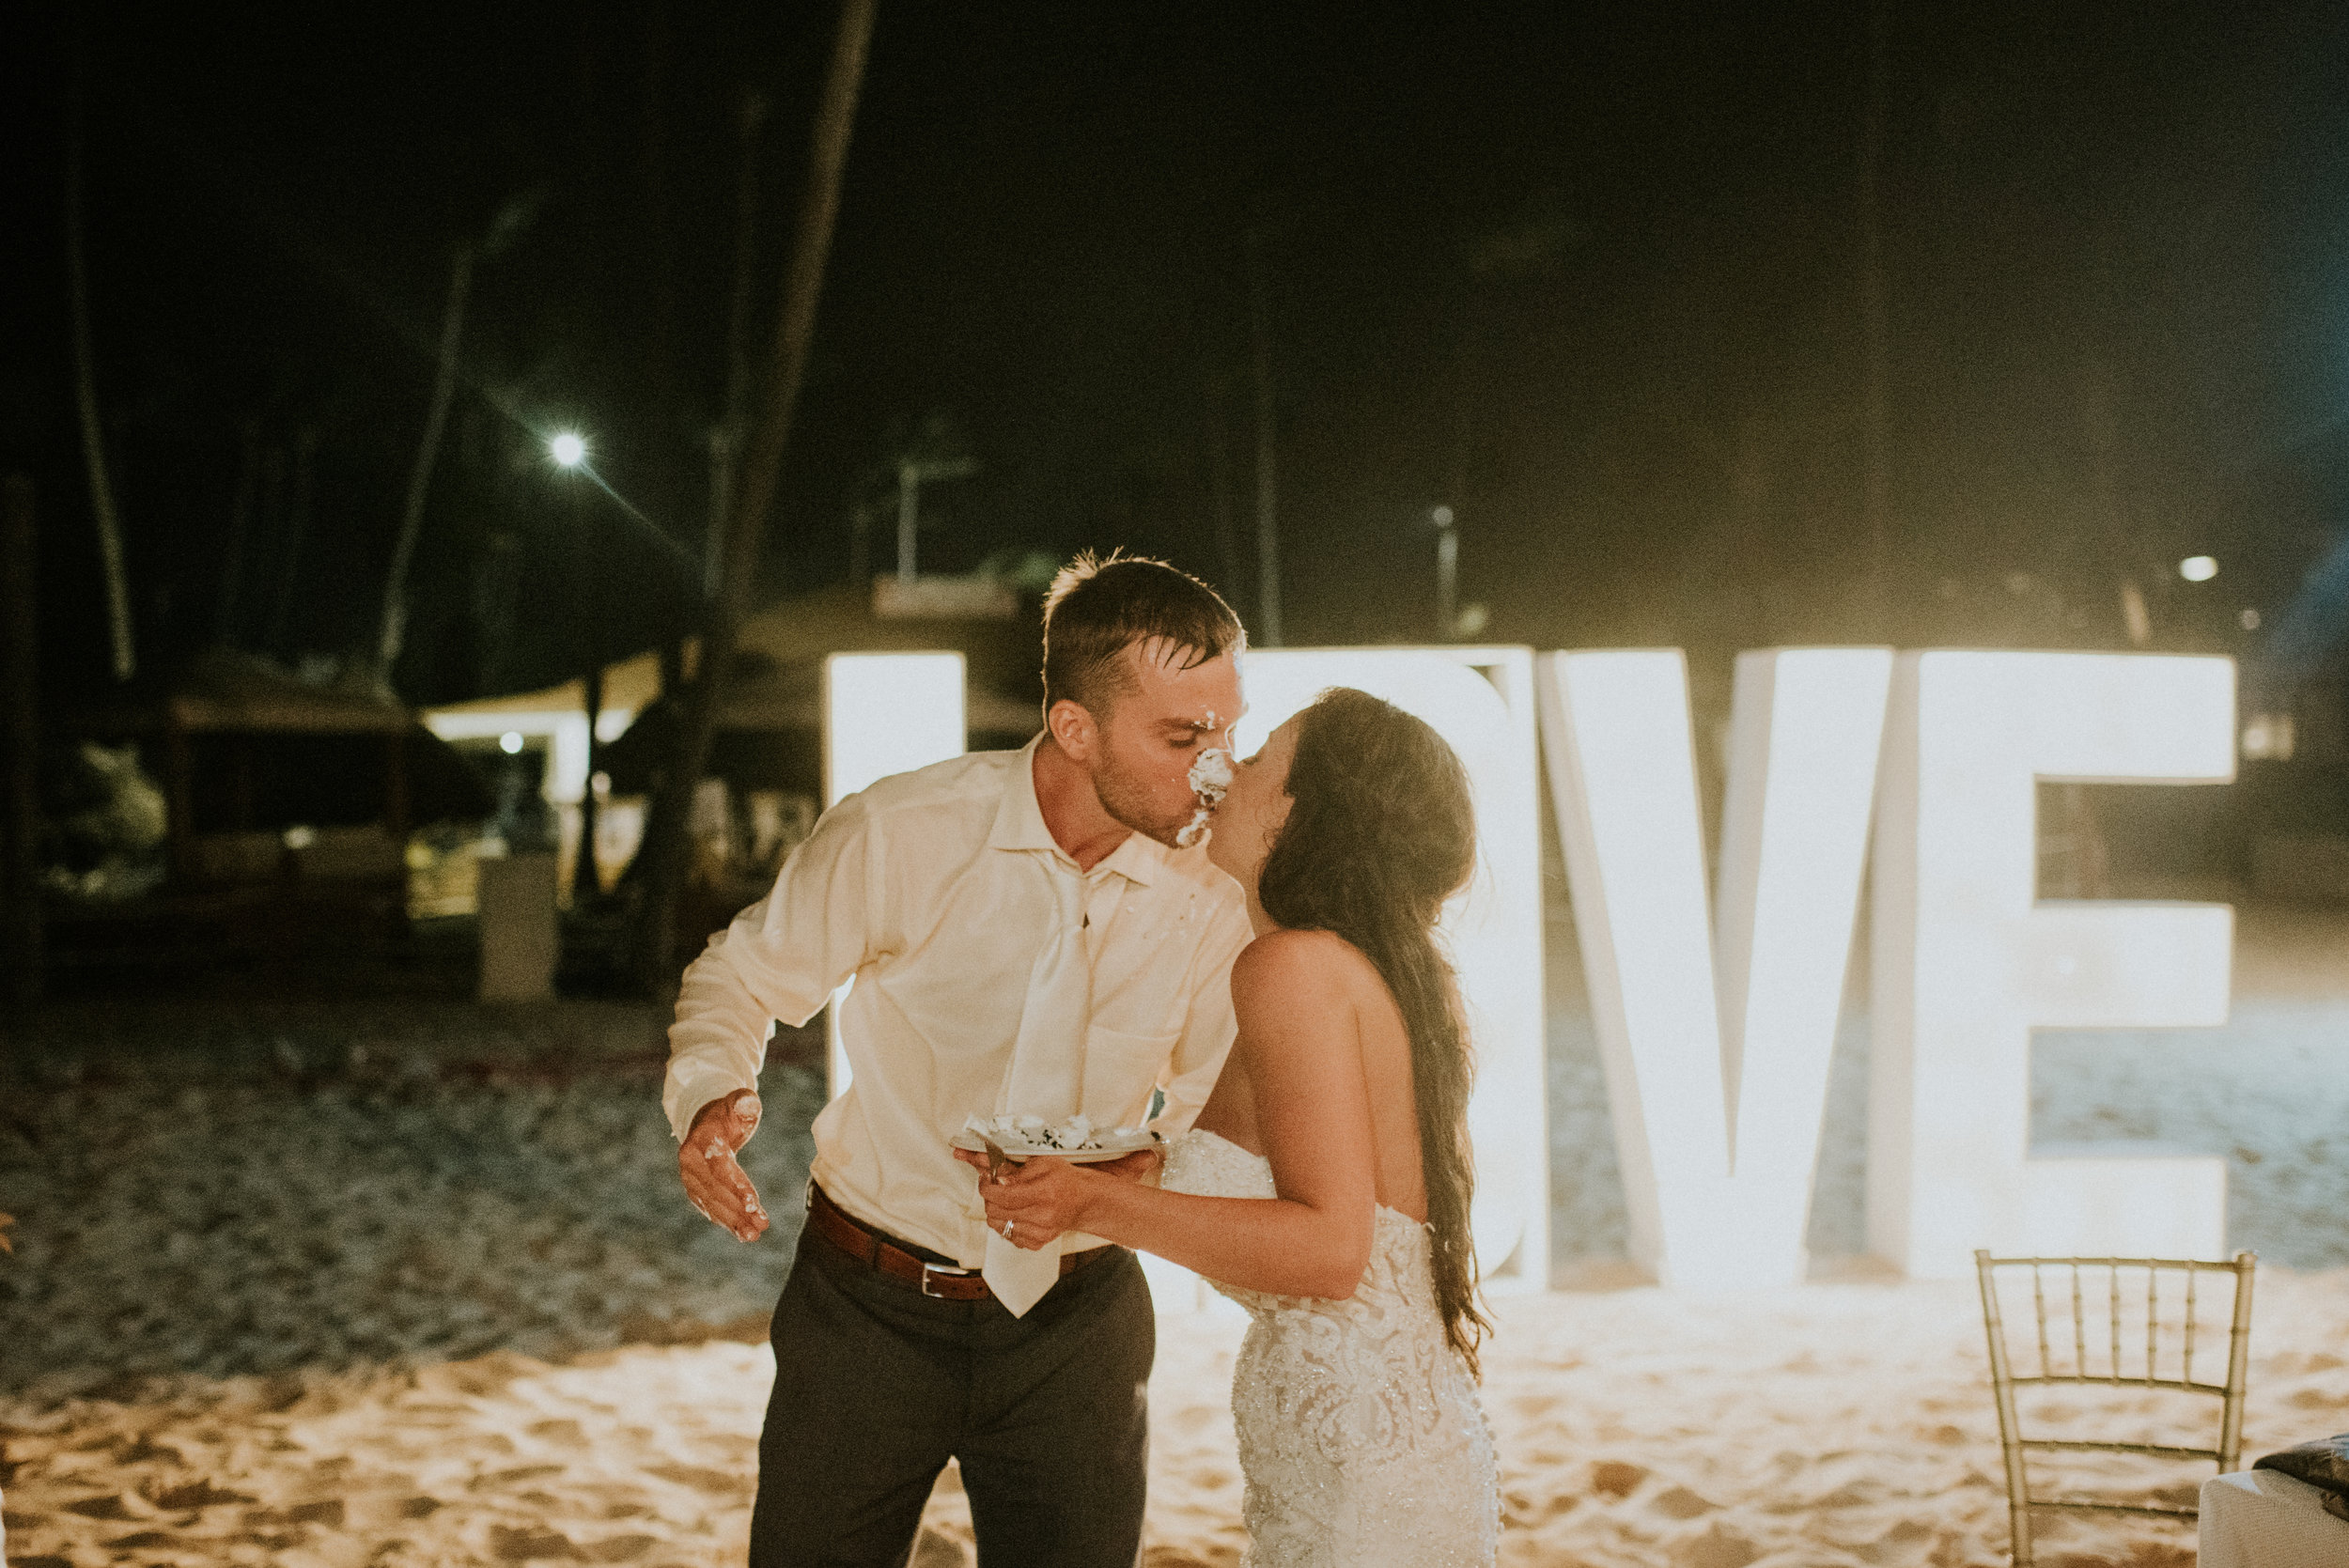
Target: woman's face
1254, 807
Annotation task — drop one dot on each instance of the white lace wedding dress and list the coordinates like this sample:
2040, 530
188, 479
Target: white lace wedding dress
1360, 1439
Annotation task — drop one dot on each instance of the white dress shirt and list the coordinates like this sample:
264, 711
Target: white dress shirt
936, 890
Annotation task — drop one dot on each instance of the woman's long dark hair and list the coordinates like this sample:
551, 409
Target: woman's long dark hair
1381, 831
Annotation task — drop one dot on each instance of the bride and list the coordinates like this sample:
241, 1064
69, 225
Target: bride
1324, 1186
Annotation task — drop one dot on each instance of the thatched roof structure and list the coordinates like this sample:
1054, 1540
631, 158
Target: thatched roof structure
240, 742
785, 644
225, 691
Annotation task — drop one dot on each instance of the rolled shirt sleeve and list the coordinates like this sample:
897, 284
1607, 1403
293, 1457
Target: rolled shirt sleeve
779, 959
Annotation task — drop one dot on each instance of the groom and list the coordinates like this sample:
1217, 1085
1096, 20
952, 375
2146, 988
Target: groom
1024, 938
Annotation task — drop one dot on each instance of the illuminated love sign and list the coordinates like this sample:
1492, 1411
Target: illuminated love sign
1715, 1009
1967, 961
1715, 1037
885, 713
1481, 701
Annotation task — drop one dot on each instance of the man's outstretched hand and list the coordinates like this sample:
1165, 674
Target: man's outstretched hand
713, 1178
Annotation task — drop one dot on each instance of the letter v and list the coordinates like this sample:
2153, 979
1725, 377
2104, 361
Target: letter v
1717, 1105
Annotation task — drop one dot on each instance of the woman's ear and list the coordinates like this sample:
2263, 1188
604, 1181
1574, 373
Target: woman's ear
1074, 729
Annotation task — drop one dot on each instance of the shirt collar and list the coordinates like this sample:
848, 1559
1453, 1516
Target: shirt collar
1137, 859
1020, 825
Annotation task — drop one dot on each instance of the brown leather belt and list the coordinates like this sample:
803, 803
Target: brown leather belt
886, 1255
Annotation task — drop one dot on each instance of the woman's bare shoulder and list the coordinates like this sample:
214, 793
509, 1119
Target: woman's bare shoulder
1317, 963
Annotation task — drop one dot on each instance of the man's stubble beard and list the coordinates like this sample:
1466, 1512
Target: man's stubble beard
1128, 804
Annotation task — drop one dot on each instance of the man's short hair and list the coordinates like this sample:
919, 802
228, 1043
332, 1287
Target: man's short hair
1097, 608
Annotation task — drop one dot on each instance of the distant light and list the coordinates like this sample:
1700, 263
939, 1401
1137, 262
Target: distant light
510, 743
2268, 737
567, 450
1442, 516
2198, 569
2251, 620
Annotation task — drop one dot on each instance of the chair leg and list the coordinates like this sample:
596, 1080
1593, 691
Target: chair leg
2003, 1392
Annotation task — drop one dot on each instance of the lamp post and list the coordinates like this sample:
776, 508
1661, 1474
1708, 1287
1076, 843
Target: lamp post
568, 450
1447, 574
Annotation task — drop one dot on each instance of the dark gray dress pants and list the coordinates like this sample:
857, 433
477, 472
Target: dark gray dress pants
876, 1386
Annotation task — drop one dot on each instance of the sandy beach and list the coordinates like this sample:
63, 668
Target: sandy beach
1835, 1425
410, 1283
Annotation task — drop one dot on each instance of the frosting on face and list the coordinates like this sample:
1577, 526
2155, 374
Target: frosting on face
1211, 774
1211, 777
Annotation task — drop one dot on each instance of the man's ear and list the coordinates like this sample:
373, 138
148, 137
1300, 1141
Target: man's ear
1075, 731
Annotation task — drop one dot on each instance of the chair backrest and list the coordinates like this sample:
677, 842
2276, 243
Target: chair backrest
2115, 1323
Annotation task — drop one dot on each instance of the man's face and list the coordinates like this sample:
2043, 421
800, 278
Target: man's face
1155, 729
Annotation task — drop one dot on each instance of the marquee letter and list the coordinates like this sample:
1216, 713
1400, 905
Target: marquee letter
883, 713
1480, 700
1716, 1107
1967, 961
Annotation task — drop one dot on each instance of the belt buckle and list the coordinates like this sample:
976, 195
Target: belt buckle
928, 1269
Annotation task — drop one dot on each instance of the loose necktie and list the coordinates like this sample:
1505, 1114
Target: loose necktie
1047, 1074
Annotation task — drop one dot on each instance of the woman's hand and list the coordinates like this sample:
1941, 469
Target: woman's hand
1032, 1204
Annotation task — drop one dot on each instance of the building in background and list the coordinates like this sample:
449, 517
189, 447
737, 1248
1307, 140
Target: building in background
766, 767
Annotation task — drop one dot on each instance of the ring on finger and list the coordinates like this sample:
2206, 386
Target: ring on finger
1007, 1225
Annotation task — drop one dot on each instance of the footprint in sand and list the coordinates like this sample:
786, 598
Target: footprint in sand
110, 1509
560, 1433
1678, 1502
1617, 1478
521, 1545
1720, 1547
196, 1495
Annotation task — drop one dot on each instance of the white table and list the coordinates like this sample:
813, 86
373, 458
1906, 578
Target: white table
2267, 1519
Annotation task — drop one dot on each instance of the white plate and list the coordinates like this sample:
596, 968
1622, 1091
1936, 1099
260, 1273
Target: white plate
1113, 1145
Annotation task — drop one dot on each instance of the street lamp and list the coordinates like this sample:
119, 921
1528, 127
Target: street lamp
2198, 569
1447, 574
567, 448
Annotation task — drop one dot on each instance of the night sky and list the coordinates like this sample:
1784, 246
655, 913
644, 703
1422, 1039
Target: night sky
1591, 275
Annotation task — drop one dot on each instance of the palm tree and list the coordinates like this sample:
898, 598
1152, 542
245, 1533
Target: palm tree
395, 622
665, 844
504, 229
102, 492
